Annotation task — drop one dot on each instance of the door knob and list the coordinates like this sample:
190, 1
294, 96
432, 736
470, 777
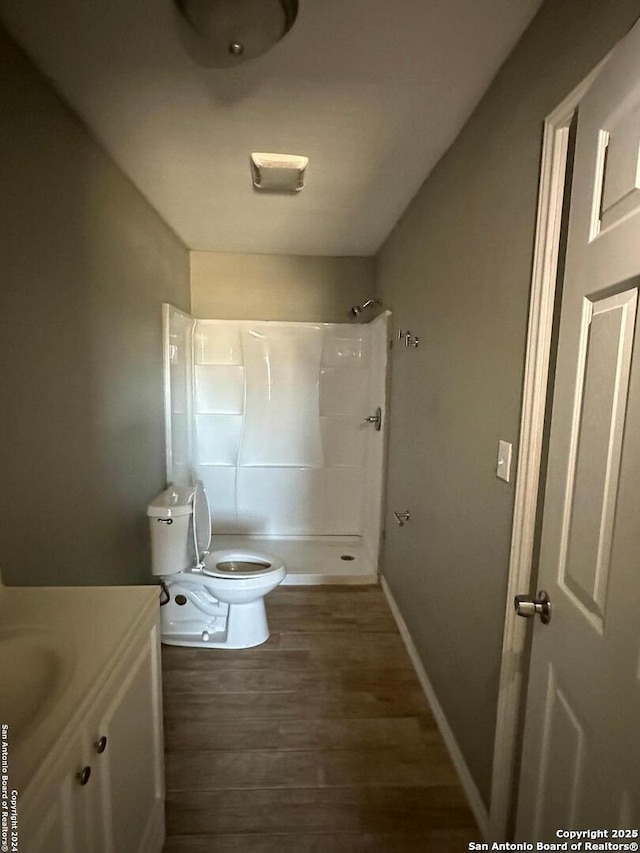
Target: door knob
84, 775
528, 606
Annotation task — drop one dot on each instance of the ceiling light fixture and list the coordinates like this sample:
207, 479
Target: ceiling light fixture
282, 173
224, 33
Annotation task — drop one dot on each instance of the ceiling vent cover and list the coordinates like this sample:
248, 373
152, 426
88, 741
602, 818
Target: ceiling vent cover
282, 173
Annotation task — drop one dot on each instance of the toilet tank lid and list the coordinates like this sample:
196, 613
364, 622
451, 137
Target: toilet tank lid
174, 501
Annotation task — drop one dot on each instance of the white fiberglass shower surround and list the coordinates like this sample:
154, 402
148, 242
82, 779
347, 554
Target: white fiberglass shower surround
271, 416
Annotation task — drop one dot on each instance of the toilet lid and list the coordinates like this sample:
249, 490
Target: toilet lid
201, 520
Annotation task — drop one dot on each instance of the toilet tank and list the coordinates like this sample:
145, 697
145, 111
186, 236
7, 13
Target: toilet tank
169, 514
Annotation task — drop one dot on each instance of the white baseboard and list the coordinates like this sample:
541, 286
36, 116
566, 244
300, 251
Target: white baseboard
470, 788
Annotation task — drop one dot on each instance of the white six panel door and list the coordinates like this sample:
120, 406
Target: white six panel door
581, 759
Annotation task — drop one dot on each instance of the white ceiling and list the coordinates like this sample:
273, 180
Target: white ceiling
372, 91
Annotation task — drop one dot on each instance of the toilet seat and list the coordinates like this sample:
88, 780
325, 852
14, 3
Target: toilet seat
243, 564
229, 563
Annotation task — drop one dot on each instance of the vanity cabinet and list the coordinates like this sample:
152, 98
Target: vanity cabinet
106, 791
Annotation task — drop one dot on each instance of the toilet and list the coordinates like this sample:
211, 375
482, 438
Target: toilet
211, 599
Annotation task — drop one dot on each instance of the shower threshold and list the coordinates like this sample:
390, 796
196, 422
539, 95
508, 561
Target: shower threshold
312, 560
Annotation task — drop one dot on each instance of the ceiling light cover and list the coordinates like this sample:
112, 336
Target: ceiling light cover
225, 33
278, 172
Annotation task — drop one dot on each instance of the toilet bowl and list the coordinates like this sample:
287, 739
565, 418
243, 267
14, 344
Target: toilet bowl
212, 599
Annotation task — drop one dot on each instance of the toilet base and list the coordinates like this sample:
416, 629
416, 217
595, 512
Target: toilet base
243, 627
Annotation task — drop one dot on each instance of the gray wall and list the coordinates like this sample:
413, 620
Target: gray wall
86, 264
456, 271
228, 286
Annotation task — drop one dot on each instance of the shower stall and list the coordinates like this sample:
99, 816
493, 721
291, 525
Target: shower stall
284, 422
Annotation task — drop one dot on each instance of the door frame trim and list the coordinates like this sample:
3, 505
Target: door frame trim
514, 660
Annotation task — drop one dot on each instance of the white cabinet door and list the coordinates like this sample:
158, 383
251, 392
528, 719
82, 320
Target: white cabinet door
60, 821
128, 750
55, 830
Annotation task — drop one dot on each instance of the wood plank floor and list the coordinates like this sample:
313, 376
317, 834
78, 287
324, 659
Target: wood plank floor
319, 741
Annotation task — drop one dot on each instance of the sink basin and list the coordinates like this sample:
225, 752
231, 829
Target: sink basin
33, 672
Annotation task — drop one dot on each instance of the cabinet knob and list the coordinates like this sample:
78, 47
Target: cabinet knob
101, 744
84, 775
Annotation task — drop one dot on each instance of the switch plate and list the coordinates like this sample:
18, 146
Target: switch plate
503, 466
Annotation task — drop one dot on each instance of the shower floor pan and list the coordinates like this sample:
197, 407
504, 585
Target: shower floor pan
312, 559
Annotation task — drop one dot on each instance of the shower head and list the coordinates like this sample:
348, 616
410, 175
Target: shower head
358, 309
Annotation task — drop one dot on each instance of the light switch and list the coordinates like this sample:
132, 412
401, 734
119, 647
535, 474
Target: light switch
503, 467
